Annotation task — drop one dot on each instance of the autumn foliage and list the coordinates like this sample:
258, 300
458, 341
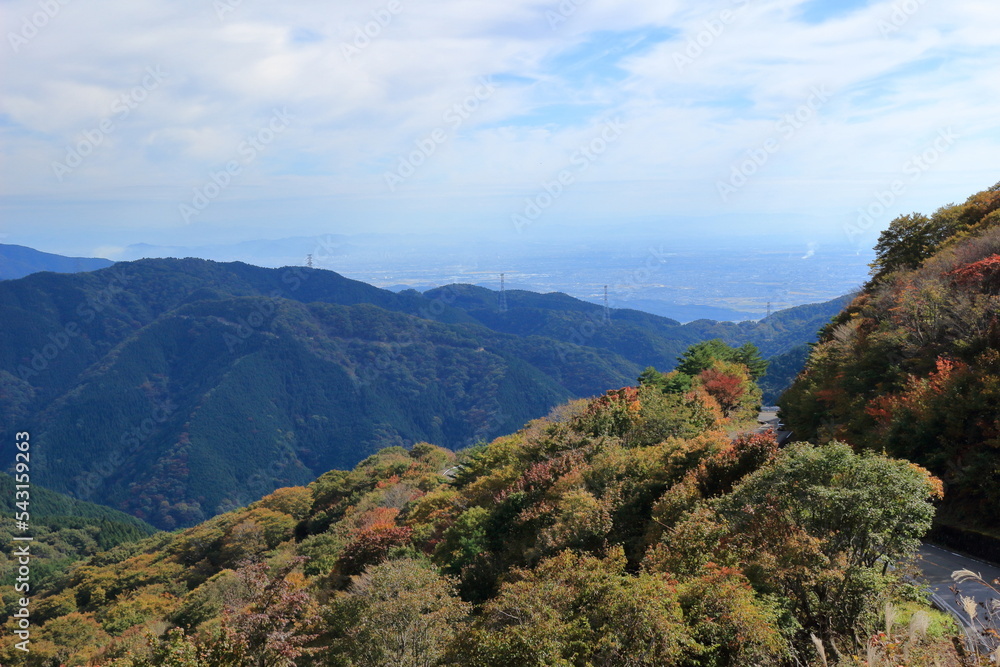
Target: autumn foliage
983, 275
912, 366
629, 529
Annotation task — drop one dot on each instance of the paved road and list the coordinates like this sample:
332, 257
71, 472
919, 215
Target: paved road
937, 564
768, 419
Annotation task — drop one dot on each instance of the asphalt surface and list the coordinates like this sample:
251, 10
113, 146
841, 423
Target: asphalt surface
937, 564
768, 419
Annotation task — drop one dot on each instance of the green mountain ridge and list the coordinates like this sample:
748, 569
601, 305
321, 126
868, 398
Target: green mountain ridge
47, 505
178, 389
641, 337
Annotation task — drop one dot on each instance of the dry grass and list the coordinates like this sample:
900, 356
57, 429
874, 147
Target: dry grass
912, 636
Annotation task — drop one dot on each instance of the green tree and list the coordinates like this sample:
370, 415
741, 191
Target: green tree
677, 383
748, 355
668, 415
825, 525
703, 355
464, 539
578, 610
910, 239
651, 378
731, 624
673, 382
401, 613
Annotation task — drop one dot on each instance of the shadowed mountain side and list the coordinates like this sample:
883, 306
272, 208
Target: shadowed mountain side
170, 402
177, 389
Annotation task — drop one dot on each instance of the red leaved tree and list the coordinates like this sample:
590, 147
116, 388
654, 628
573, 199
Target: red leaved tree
371, 545
983, 275
725, 388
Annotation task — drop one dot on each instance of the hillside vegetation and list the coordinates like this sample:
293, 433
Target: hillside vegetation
622, 530
64, 530
178, 389
912, 365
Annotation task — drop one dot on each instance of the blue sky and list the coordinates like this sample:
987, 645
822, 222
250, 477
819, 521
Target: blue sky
820, 11
202, 122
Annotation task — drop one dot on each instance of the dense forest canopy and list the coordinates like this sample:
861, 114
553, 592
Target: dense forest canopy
63, 531
630, 529
178, 389
652, 525
912, 365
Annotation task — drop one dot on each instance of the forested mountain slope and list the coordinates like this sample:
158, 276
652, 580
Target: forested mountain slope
177, 389
645, 339
912, 365
63, 530
623, 530
175, 406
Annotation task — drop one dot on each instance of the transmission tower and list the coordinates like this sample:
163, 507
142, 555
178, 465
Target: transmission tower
502, 305
309, 260
607, 309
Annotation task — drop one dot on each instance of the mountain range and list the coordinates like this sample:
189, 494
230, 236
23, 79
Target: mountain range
18, 261
178, 389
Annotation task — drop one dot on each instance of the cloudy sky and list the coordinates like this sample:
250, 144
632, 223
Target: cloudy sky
225, 120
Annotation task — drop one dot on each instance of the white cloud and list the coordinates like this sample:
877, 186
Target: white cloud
356, 117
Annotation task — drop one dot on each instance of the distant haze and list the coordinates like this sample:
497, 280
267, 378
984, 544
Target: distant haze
722, 279
529, 123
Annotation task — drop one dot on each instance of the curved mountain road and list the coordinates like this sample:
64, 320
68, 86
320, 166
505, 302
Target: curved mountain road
936, 564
